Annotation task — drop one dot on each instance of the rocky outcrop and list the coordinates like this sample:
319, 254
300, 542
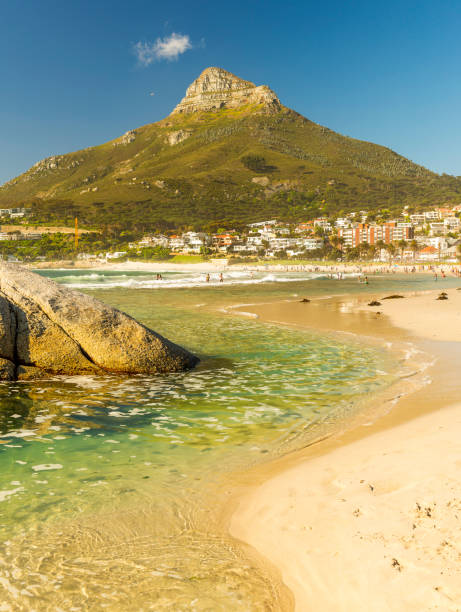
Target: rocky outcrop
126, 139
175, 138
264, 181
48, 328
216, 88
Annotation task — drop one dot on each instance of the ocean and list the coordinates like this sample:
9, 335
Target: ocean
112, 487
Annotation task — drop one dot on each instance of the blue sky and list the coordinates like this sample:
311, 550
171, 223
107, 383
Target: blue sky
384, 71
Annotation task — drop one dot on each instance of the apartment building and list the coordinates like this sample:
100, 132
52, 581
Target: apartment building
371, 234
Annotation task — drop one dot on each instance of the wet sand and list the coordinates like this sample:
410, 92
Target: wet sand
369, 519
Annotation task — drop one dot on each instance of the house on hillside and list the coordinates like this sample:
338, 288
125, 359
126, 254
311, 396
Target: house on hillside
222, 242
177, 243
195, 242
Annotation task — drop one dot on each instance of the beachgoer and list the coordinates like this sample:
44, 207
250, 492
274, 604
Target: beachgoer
207, 278
221, 280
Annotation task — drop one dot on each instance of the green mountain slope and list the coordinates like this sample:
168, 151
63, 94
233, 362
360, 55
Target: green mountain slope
224, 165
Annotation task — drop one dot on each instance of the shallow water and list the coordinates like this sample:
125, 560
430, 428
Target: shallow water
107, 495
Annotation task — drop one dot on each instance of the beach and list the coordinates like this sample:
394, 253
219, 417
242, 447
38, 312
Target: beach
333, 269
369, 519
125, 486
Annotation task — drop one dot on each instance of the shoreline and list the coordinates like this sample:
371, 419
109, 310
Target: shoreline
215, 265
310, 516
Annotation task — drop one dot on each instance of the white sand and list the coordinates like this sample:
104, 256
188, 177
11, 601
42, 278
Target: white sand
374, 524
127, 266
426, 316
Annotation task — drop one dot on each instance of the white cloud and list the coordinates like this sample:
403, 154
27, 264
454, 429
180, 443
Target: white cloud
169, 48
152, 93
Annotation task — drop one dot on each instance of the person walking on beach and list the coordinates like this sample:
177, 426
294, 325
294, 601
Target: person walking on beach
221, 280
207, 278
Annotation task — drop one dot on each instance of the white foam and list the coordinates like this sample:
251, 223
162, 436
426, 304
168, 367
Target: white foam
47, 466
6, 494
182, 279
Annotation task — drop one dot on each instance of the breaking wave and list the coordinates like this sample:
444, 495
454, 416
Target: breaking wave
109, 280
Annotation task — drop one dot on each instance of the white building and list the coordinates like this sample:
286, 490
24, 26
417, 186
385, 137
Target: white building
438, 242
177, 243
418, 219
280, 244
14, 212
195, 241
255, 240
323, 223
263, 223
437, 228
452, 224
116, 255
310, 244
159, 240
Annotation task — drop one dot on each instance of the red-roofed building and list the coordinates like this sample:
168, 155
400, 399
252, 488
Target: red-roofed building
429, 253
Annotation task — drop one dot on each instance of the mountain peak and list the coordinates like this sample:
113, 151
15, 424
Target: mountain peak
216, 88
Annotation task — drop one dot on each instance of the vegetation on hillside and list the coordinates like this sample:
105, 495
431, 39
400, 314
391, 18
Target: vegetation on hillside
140, 182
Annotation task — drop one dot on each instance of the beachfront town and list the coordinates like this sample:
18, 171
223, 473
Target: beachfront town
431, 235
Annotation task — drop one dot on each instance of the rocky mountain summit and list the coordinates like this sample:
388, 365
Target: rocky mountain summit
46, 328
230, 153
216, 88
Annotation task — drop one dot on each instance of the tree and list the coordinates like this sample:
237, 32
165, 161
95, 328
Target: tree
336, 241
255, 163
319, 231
402, 244
380, 245
414, 246
390, 248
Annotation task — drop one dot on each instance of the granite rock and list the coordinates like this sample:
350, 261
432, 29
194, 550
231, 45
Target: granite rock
60, 331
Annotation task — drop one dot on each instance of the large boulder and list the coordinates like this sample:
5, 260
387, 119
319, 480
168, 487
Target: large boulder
49, 328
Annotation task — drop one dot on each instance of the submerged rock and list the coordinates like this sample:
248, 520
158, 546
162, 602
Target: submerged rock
48, 328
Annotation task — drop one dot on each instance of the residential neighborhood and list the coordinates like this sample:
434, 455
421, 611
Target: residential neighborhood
424, 236
427, 236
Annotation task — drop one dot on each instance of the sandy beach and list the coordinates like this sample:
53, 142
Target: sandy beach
370, 519
213, 265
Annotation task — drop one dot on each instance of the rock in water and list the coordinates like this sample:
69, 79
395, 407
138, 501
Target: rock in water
48, 328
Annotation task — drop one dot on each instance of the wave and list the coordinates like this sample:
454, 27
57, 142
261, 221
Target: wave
110, 282
100, 280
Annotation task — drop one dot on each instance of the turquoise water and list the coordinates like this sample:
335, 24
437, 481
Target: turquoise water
109, 485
